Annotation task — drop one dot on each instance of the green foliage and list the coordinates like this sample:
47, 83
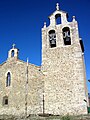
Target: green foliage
88, 109
67, 117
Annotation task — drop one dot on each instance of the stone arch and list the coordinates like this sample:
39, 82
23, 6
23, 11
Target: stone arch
66, 36
52, 38
58, 18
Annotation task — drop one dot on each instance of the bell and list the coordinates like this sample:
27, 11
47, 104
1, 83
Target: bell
53, 42
67, 39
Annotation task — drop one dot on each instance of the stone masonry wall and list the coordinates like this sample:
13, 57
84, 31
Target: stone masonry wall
64, 83
16, 91
65, 91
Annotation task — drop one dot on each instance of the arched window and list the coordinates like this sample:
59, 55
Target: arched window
52, 38
58, 19
5, 100
8, 79
66, 36
12, 53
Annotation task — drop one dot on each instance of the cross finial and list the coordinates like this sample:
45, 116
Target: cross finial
13, 46
57, 6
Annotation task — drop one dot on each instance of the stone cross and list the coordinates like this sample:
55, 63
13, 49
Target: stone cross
13, 46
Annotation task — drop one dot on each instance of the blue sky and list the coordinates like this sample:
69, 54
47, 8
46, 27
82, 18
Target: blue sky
21, 22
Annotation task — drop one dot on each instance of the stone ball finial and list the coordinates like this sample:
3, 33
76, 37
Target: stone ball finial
44, 24
57, 6
74, 18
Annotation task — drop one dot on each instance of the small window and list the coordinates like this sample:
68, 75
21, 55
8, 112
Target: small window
12, 53
66, 36
8, 79
52, 38
58, 19
82, 46
5, 100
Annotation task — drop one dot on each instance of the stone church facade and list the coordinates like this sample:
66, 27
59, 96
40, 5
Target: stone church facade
56, 87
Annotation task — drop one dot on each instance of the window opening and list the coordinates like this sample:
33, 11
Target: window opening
8, 79
5, 100
58, 19
12, 53
52, 38
82, 46
66, 36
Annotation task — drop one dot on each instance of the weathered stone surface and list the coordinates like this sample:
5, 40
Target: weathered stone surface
63, 66
16, 91
57, 87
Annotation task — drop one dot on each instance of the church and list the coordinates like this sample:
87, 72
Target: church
56, 87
